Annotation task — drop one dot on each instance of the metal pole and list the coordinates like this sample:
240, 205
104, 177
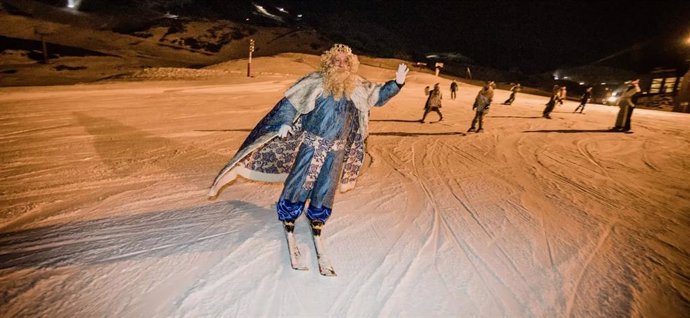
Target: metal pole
249, 64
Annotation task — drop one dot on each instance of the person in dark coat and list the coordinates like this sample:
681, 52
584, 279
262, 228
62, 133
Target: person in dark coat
513, 90
555, 96
453, 90
584, 100
433, 103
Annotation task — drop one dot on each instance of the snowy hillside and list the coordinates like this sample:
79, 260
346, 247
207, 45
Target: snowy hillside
79, 54
104, 210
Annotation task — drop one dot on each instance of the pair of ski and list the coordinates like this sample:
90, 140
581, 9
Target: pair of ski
296, 258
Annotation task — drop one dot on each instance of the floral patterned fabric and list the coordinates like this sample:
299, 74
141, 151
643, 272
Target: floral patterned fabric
276, 156
321, 149
354, 159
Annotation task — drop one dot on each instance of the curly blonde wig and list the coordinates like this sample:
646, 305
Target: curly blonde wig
339, 83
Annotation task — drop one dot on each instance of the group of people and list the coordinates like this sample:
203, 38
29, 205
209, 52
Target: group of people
481, 103
559, 94
625, 103
313, 140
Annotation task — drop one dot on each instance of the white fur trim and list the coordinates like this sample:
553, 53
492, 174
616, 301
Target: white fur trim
242, 171
344, 187
260, 176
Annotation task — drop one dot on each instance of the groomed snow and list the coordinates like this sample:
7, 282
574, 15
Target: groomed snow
104, 213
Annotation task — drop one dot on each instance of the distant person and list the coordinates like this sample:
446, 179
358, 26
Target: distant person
555, 93
584, 100
627, 106
562, 94
513, 90
433, 103
453, 89
426, 91
481, 106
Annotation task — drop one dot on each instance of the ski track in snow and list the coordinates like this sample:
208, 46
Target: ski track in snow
104, 210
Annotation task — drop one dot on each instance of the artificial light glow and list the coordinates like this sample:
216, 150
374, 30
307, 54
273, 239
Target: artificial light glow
603, 83
281, 10
265, 13
565, 77
582, 83
612, 99
73, 4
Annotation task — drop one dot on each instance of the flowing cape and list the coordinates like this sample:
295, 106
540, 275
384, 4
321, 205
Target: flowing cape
263, 157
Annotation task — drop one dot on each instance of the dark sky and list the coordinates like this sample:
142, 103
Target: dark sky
534, 36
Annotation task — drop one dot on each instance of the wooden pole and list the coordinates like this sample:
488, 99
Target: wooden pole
45, 50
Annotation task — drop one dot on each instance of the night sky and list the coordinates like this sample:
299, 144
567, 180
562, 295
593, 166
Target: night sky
537, 36
519, 35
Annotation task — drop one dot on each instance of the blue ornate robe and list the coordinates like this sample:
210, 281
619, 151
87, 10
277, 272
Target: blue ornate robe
328, 134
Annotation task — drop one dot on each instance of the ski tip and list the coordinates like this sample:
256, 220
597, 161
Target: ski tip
328, 272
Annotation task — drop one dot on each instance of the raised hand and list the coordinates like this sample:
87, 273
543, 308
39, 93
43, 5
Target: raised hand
401, 73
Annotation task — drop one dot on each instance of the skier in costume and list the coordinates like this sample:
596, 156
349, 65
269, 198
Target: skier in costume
313, 138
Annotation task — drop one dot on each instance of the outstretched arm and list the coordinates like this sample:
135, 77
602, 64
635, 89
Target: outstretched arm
391, 88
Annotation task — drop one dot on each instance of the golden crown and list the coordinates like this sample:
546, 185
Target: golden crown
341, 48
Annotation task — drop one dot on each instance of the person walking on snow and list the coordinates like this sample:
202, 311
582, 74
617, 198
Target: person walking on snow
513, 90
453, 90
433, 103
481, 106
584, 100
313, 139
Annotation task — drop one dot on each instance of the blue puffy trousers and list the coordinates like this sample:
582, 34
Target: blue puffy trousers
320, 214
288, 211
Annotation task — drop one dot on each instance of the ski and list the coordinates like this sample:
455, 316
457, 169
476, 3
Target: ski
325, 267
296, 260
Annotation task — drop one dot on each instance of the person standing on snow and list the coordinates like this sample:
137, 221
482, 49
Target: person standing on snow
433, 103
453, 90
626, 104
313, 139
481, 106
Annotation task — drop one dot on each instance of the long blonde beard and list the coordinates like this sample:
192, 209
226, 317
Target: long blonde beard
339, 84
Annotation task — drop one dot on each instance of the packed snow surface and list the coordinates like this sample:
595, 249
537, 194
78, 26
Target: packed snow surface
104, 210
